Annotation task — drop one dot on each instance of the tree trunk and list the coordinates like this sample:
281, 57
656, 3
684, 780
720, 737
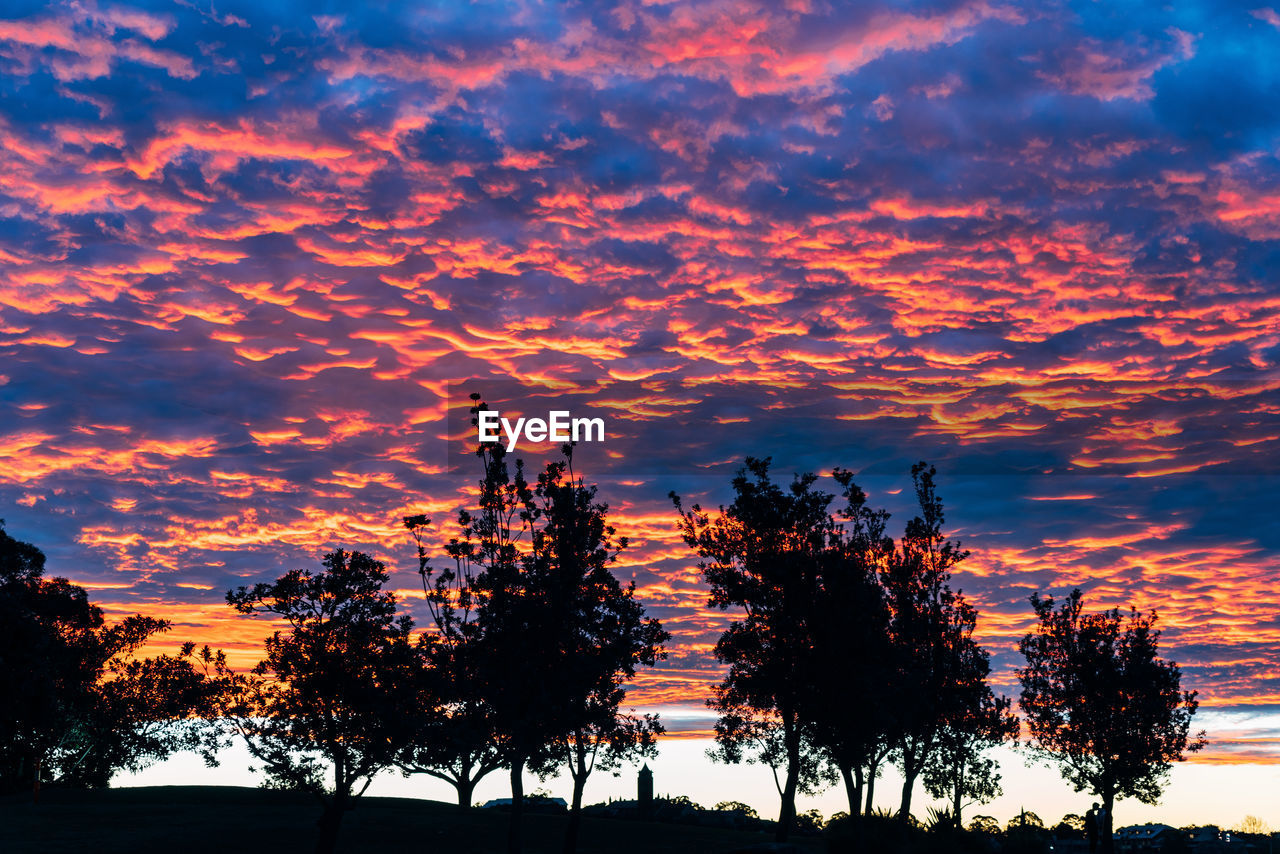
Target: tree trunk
787, 816
517, 806
853, 788
466, 788
957, 802
1108, 844
871, 787
330, 821
791, 738
908, 784
575, 815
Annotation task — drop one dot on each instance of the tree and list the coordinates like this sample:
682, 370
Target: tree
737, 806
810, 821
746, 734
555, 636
455, 740
1071, 826
1026, 832
329, 698
1251, 825
516, 663
75, 704
764, 554
851, 654
984, 824
143, 711
599, 632
1101, 705
931, 630
959, 769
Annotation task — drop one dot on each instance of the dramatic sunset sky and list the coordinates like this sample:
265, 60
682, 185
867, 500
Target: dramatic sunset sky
253, 259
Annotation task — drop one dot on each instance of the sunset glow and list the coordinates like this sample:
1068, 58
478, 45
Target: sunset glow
255, 260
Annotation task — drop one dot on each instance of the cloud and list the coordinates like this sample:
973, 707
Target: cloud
254, 262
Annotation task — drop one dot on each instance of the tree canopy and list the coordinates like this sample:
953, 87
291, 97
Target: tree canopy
1101, 705
599, 630
555, 635
76, 705
849, 648
765, 554
456, 740
329, 706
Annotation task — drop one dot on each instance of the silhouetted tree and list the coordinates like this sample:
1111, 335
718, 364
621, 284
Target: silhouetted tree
455, 740
959, 769
1070, 827
599, 631
931, 629
144, 711
851, 656
985, 825
75, 705
1251, 825
1101, 705
1024, 819
765, 555
561, 636
517, 667
331, 696
881, 750
747, 734
737, 806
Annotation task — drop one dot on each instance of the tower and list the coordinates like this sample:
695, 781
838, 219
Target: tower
644, 793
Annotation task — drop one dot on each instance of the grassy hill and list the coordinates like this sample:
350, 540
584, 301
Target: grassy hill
207, 819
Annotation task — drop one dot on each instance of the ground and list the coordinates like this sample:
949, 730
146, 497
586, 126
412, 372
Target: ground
203, 820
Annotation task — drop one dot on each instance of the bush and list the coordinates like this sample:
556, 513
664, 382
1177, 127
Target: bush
1026, 834
885, 834
871, 834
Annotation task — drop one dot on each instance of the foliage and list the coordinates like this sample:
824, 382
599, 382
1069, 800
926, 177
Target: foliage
737, 806
834, 614
851, 658
959, 768
941, 669
810, 821
598, 630
680, 802
764, 555
1253, 826
561, 636
1026, 834
455, 740
146, 710
324, 711
1101, 705
75, 704
1072, 826
984, 824
516, 664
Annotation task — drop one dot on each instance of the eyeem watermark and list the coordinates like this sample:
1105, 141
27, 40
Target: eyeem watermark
559, 426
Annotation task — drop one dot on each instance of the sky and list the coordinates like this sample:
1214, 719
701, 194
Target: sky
254, 259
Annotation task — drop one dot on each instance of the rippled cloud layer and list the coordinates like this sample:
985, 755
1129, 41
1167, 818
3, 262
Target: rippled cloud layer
254, 257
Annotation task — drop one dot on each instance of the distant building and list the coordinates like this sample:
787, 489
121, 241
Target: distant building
1204, 840
644, 792
1210, 840
532, 803
1141, 838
